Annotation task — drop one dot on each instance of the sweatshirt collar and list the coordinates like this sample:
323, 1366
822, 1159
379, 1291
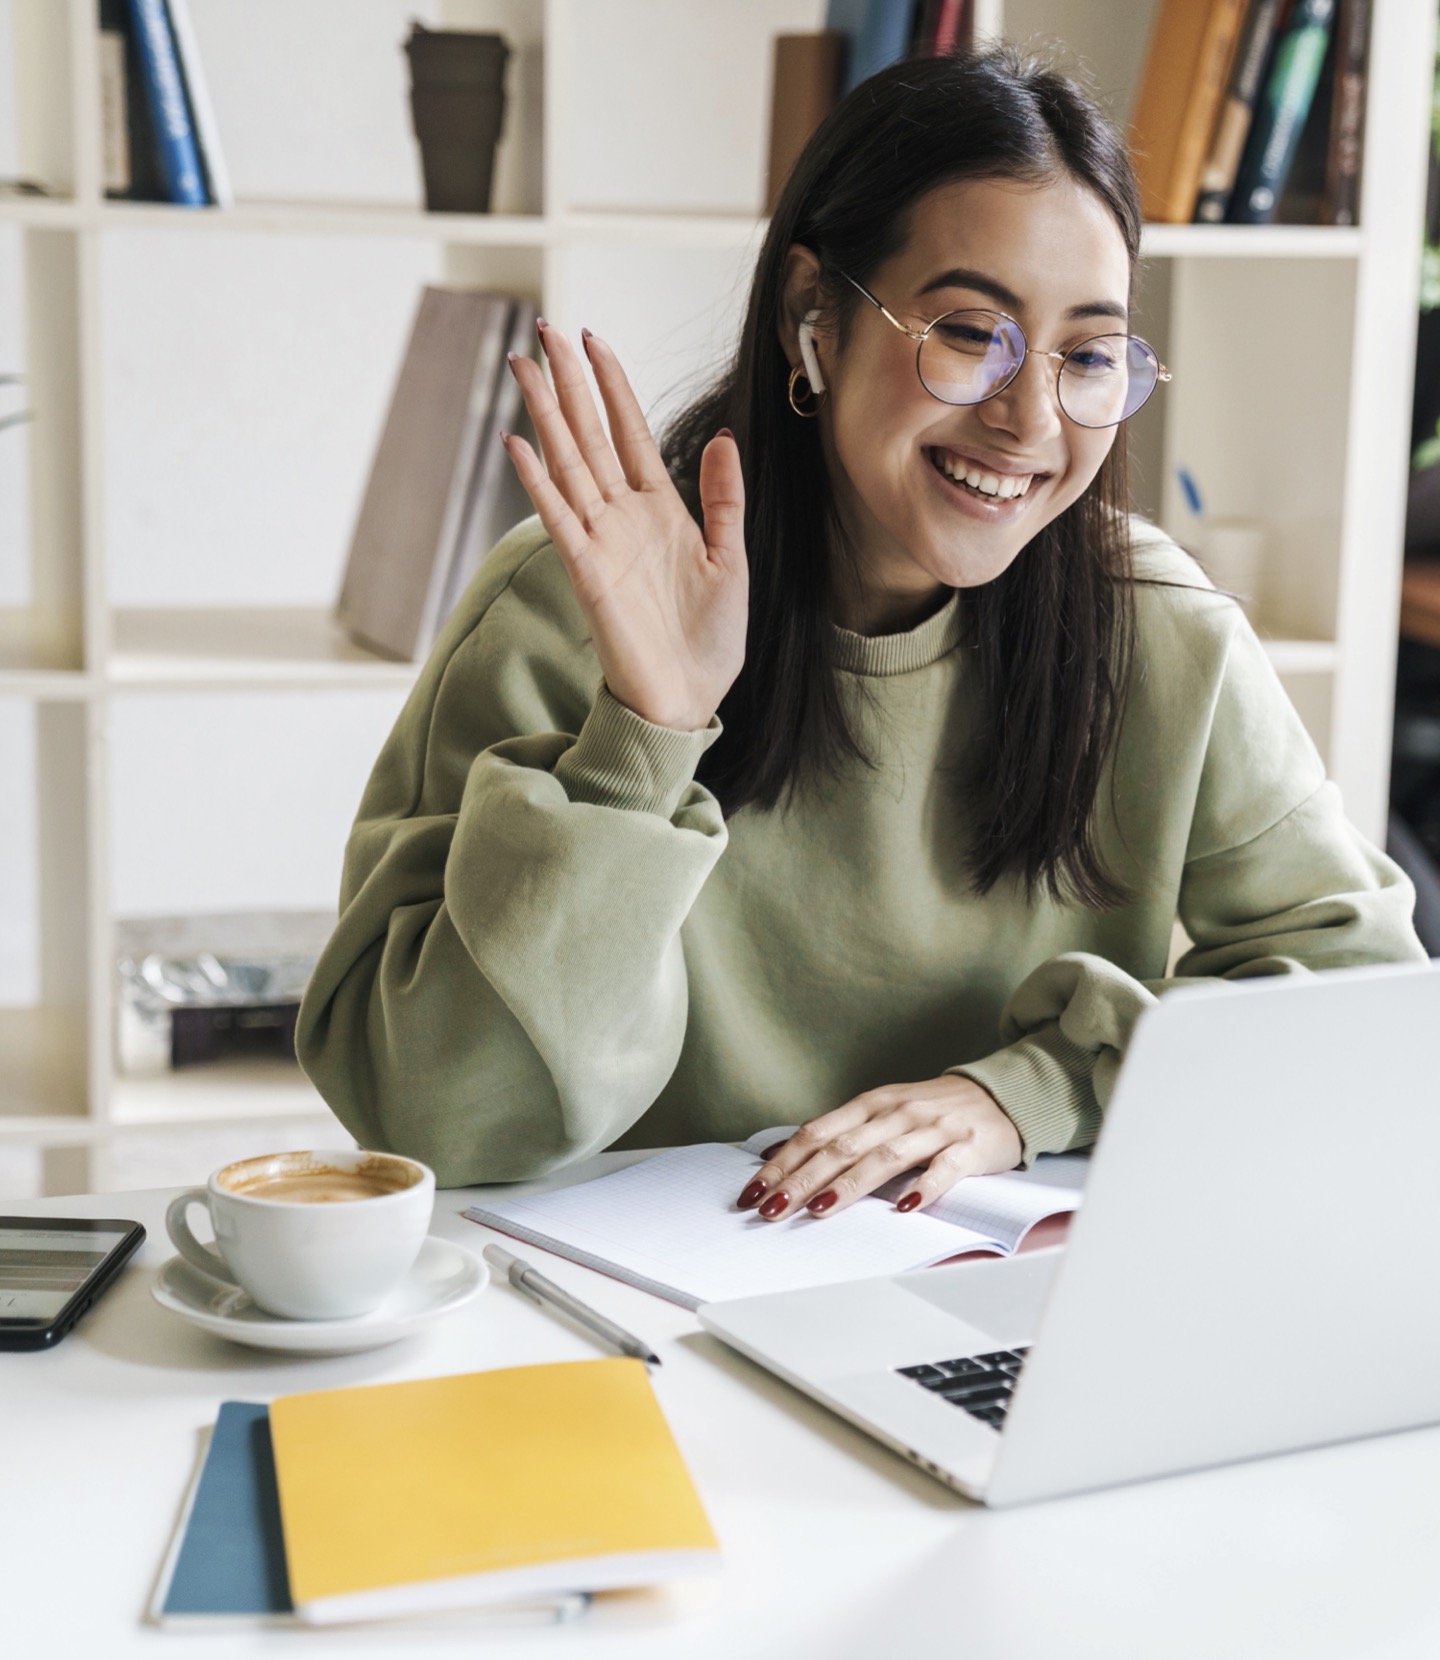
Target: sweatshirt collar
885, 654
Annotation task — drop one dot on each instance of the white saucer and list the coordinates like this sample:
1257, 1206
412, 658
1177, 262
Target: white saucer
445, 1277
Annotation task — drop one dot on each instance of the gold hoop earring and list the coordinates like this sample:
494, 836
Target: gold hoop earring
814, 407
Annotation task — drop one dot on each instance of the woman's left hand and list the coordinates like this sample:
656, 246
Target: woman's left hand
950, 1125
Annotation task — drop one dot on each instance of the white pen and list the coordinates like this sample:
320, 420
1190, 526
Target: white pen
534, 1285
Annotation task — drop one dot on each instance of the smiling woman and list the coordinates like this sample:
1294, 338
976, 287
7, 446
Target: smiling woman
848, 757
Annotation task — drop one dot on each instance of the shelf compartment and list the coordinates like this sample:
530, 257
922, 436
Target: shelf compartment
232, 1092
54, 213
265, 647
517, 230
1289, 657
42, 1086
39, 655
1251, 242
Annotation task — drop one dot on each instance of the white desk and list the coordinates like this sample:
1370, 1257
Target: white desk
833, 1546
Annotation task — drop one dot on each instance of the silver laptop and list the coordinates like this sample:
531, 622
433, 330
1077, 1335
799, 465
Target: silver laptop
1256, 1267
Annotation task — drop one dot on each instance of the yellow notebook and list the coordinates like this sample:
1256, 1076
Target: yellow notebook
454, 1492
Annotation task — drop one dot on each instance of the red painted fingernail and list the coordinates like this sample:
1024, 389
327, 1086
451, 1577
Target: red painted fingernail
909, 1202
774, 1205
725, 432
823, 1201
750, 1196
770, 1152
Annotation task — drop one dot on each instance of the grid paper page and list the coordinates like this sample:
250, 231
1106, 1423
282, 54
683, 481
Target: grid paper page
1003, 1207
670, 1224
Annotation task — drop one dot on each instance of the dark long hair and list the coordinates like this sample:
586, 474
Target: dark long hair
1051, 638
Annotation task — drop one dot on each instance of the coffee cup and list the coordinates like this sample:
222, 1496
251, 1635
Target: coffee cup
310, 1236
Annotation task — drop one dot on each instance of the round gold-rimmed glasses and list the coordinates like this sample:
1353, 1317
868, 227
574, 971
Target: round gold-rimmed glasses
965, 357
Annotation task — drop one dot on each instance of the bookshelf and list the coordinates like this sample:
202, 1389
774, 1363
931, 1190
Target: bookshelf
165, 577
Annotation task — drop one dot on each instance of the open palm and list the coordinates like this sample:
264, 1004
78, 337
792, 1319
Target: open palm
666, 601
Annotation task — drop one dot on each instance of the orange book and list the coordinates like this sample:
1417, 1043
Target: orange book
1187, 65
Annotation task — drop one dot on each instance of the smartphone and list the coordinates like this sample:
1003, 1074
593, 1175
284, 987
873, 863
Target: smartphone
52, 1269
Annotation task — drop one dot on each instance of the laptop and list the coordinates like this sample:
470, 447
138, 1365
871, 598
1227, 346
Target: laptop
1256, 1267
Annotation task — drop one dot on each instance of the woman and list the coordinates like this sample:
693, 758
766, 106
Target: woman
865, 788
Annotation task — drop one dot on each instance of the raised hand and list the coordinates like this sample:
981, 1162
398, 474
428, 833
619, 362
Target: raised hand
667, 604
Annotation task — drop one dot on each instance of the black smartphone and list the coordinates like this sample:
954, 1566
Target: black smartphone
52, 1268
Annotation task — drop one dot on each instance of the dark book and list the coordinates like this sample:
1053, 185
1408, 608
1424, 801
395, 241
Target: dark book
940, 28
877, 31
1281, 112
807, 73
1303, 201
177, 151
1182, 86
1347, 120
1232, 128
142, 173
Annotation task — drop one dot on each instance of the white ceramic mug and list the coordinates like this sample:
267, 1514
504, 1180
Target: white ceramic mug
311, 1236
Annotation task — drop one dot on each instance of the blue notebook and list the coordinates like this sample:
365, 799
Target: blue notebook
230, 1553
226, 1566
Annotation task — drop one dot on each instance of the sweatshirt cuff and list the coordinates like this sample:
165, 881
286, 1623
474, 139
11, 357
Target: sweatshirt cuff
1043, 1085
620, 760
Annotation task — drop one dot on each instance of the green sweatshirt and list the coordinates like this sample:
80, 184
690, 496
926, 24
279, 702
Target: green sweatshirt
551, 940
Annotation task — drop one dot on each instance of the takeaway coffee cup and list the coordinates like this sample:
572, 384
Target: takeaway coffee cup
457, 104
311, 1236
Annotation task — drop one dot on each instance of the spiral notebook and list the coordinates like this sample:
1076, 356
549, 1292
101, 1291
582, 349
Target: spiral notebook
669, 1225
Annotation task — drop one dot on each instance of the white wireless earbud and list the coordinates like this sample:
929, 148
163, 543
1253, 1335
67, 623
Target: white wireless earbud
807, 353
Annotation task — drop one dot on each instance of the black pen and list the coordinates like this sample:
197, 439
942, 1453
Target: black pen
534, 1285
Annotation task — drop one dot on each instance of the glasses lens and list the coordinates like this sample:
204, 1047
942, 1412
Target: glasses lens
1105, 380
968, 356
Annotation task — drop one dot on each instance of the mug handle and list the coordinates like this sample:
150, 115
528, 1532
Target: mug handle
204, 1257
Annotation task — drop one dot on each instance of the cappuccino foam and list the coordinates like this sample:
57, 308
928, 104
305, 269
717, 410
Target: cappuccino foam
305, 1180
319, 1187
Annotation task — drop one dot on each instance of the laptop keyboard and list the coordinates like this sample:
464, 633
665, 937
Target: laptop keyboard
980, 1383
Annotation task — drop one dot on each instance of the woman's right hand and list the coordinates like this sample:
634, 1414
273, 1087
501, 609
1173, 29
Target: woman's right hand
667, 604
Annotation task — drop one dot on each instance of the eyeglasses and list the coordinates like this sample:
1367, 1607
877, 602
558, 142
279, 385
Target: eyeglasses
968, 356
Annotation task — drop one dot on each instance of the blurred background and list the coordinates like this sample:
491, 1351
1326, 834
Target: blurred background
193, 399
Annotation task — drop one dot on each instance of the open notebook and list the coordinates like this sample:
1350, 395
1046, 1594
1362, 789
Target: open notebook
669, 1224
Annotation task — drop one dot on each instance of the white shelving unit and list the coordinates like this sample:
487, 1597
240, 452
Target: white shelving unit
626, 198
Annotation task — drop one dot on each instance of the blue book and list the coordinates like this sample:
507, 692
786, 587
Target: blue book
176, 148
230, 1558
1281, 112
226, 1567
877, 34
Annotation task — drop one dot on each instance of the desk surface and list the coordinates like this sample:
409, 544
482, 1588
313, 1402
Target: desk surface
832, 1545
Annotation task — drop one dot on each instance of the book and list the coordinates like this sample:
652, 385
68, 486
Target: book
131, 166
669, 1225
494, 497
114, 133
227, 1561
877, 34
1177, 103
1280, 112
225, 1569
952, 27
197, 92
412, 512
1232, 126
176, 149
1347, 116
805, 88
1303, 200
406, 1498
